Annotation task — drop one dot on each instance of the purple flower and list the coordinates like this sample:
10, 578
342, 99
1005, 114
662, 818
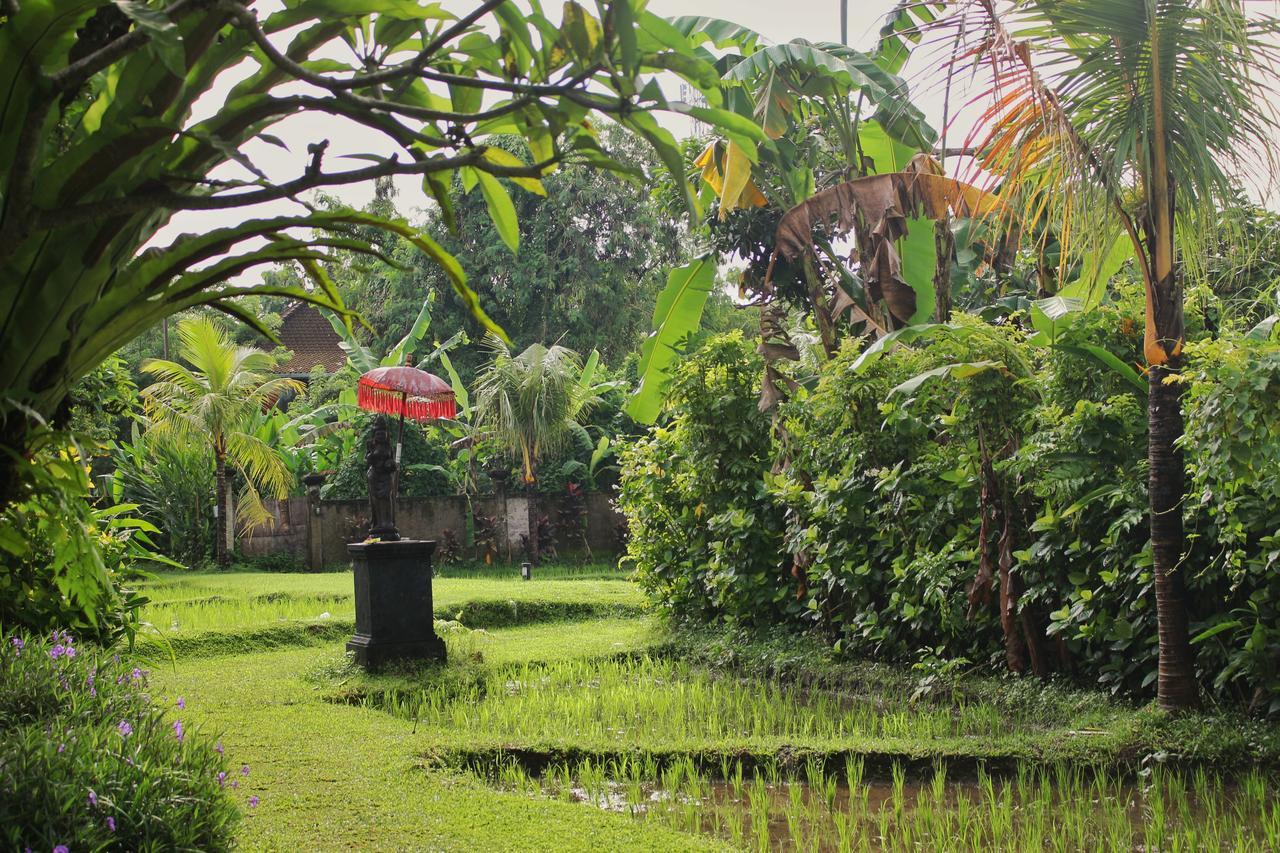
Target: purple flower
61, 747
217, 747
71, 651
93, 799
57, 651
18, 645
61, 848
111, 824
124, 728
235, 783
182, 704
222, 779
253, 801
244, 771
177, 730
136, 675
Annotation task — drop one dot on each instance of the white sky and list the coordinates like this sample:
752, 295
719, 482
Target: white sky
815, 20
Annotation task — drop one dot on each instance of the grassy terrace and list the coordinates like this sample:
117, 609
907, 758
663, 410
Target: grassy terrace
561, 691
335, 775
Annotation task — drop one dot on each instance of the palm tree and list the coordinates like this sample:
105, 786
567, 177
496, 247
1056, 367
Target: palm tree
215, 401
531, 402
1149, 111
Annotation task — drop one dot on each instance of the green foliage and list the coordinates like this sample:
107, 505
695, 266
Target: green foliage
61, 559
1233, 448
172, 483
92, 763
102, 404
873, 493
532, 404
422, 461
705, 537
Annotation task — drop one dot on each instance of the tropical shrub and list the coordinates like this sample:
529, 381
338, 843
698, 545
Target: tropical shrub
706, 536
1233, 447
982, 496
874, 505
172, 482
89, 761
63, 560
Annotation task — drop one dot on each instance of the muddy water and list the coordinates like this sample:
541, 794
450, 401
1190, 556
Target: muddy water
1028, 812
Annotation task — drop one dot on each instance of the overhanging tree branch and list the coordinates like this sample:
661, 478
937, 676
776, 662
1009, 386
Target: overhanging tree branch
172, 200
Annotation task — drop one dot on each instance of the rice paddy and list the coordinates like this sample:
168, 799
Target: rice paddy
1036, 808
562, 702
645, 700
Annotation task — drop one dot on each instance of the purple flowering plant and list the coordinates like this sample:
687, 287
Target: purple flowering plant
84, 728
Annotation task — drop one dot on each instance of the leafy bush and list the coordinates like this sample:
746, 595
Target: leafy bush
705, 533
172, 481
1233, 447
980, 496
62, 560
89, 762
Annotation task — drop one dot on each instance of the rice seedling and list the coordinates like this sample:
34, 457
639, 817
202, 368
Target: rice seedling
1053, 808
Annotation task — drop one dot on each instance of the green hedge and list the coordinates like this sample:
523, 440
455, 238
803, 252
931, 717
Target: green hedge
902, 497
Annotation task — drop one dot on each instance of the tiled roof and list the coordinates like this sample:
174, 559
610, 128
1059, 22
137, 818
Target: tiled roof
308, 335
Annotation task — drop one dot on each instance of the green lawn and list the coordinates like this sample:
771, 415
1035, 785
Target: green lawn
184, 604
334, 775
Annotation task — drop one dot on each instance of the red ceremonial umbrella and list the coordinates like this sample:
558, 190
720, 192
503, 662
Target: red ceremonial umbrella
407, 392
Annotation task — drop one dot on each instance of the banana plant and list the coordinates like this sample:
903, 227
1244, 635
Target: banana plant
100, 145
829, 113
362, 359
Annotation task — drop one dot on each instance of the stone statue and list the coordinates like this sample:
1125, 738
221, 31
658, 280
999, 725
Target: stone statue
381, 473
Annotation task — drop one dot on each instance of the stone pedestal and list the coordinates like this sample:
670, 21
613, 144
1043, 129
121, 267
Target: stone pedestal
393, 603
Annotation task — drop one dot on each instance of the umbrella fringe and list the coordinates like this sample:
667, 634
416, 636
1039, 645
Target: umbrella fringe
415, 408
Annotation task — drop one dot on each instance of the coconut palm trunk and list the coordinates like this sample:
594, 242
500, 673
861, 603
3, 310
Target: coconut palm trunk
224, 509
1176, 683
1165, 335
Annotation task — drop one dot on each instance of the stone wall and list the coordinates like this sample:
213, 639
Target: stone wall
286, 535
317, 532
